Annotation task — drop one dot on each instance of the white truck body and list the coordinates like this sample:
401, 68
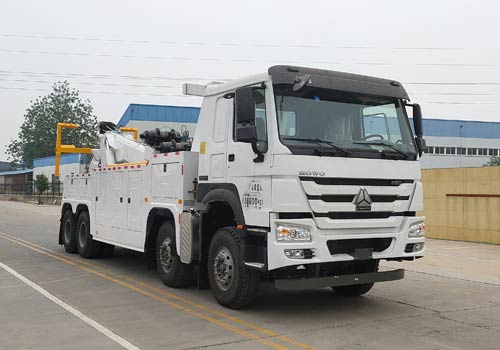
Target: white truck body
284, 188
120, 197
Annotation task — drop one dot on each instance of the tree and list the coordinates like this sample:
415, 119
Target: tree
37, 137
41, 185
494, 161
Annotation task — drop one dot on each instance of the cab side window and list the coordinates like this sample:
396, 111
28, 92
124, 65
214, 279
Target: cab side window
260, 121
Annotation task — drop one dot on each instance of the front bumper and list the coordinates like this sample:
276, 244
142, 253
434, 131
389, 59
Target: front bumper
276, 257
340, 280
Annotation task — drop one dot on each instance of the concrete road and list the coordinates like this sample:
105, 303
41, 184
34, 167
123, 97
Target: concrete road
53, 300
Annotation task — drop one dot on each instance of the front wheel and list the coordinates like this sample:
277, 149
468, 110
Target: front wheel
233, 285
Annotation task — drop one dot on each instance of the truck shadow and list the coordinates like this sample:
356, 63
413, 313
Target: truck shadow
271, 304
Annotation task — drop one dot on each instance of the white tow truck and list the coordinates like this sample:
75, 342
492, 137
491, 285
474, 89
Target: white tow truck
301, 176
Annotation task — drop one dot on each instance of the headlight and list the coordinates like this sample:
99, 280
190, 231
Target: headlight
292, 233
417, 230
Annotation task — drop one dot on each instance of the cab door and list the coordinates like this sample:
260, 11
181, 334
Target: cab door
217, 151
248, 171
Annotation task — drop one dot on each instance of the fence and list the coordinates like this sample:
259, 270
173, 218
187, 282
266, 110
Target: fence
27, 190
463, 204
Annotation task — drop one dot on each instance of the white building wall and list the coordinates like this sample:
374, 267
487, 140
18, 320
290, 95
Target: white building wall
64, 170
430, 161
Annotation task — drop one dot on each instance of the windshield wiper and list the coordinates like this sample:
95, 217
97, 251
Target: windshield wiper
378, 143
319, 142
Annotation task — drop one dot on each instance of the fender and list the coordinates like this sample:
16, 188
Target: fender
221, 192
155, 218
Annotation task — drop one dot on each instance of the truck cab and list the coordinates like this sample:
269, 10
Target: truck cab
321, 166
304, 177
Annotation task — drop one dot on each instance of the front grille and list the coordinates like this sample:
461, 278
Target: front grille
294, 215
332, 200
356, 182
339, 198
348, 246
343, 215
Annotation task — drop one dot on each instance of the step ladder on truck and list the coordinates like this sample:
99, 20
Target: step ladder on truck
304, 177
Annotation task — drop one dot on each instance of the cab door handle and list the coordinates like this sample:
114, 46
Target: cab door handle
230, 158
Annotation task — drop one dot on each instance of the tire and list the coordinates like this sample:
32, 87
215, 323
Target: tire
107, 250
87, 247
355, 290
173, 272
233, 285
68, 228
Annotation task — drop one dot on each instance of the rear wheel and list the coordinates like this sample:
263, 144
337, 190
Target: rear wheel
69, 232
87, 246
355, 290
173, 272
233, 285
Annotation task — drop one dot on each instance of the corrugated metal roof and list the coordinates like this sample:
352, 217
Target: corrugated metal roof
158, 113
16, 172
461, 128
65, 159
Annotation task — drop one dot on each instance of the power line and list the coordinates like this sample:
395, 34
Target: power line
242, 60
143, 77
230, 44
178, 95
97, 92
461, 103
452, 83
180, 87
100, 84
100, 76
455, 93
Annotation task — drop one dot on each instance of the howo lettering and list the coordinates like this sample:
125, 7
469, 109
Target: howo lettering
304, 177
311, 173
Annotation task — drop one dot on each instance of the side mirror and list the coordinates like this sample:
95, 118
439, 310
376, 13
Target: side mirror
246, 134
419, 130
417, 120
244, 105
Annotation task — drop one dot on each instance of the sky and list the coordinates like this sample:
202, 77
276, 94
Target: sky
116, 52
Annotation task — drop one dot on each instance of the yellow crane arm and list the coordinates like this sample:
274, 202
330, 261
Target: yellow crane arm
60, 149
135, 131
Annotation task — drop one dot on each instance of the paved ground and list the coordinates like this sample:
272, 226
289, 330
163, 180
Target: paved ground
448, 300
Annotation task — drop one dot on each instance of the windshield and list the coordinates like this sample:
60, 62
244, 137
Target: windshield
343, 124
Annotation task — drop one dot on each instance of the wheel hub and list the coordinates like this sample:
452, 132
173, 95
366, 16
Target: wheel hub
223, 268
166, 256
